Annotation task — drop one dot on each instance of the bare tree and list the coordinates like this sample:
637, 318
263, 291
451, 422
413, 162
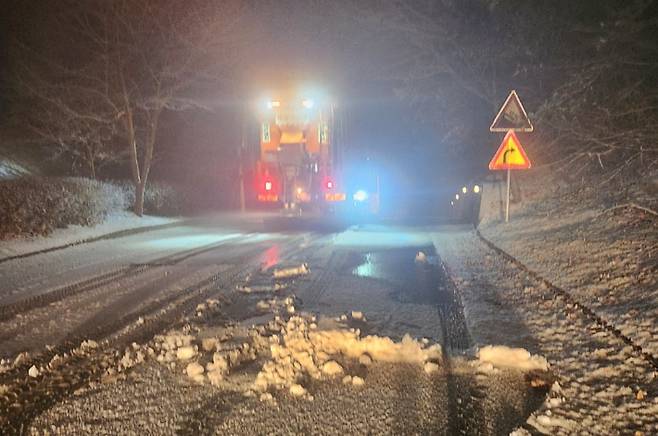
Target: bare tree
129, 61
71, 121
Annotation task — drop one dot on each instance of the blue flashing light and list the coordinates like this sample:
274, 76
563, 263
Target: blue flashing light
360, 195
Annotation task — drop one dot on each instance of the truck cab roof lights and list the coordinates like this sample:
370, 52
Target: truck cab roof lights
273, 103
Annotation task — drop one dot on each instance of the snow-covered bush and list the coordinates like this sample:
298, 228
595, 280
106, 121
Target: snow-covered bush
37, 206
159, 199
162, 199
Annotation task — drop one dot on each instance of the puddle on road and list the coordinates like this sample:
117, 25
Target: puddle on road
414, 282
423, 283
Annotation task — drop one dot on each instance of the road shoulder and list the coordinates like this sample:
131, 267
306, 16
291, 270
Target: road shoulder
602, 387
115, 226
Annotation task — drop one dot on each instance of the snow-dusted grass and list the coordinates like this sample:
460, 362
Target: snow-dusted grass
604, 259
602, 384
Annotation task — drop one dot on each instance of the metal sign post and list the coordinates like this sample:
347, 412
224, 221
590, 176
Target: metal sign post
509, 176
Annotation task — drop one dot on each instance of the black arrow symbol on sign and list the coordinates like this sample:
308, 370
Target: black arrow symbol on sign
509, 150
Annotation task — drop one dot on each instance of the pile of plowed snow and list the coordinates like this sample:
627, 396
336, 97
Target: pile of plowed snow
293, 349
302, 350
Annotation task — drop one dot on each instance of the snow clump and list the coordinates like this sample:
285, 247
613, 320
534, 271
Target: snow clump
186, 353
421, 257
33, 372
286, 273
301, 351
500, 356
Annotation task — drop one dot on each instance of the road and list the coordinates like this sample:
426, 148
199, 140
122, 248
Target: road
215, 278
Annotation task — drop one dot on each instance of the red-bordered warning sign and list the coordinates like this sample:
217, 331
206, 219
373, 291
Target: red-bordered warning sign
512, 116
510, 155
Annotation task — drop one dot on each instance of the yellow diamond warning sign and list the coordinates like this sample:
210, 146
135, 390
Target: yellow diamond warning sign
510, 155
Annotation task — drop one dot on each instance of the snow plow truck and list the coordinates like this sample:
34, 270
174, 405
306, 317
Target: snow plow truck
299, 159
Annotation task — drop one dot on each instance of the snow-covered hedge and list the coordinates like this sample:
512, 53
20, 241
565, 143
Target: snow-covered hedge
159, 199
37, 206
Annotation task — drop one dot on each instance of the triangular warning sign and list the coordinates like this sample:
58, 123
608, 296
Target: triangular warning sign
510, 155
511, 116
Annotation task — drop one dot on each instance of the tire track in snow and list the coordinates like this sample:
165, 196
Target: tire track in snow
11, 310
28, 397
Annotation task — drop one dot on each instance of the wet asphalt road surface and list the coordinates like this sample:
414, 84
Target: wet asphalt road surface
52, 302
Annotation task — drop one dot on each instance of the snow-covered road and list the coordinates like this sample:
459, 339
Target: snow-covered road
222, 327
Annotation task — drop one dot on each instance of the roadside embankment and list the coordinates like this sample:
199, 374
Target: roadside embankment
603, 386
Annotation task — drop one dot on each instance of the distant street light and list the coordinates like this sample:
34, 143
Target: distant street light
464, 189
456, 196
452, 203
476, 189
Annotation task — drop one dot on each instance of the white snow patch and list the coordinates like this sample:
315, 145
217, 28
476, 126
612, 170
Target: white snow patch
421, 257
357, 315
544, 423
185, 353
296, 271
431, 367
33, 372
332, 368
72, 234
358, 381
10, 169
193, 369
297, 390
501, 356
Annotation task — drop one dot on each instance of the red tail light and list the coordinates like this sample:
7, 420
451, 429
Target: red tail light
328, 183
267, 185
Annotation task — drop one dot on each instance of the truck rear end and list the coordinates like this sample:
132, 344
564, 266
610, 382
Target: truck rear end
298, 165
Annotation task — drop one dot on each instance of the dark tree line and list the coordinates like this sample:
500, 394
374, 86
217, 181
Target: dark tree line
98, 78
588, 70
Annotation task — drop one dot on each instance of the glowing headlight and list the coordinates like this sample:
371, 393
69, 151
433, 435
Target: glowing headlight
360, 195
308, 104
273, 103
